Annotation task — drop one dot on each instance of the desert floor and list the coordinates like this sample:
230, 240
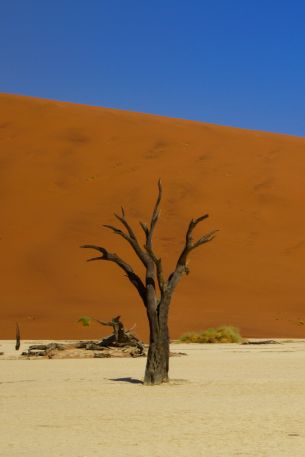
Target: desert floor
223, 400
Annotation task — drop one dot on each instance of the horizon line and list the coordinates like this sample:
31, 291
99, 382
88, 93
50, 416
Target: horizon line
246, 129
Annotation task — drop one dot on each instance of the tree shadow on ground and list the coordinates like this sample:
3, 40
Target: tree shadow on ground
129, 379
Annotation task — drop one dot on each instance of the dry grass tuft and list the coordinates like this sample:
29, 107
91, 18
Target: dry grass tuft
222, 334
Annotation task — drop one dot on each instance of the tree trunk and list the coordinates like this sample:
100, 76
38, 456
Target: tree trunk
156, 285
157, 364
156, 371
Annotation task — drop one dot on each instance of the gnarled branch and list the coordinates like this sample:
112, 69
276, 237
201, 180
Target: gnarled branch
130, 238
111, 257
118, 328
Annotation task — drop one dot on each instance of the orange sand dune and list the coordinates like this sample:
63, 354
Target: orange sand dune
66, 168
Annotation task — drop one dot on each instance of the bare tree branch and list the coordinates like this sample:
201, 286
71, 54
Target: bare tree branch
205, 238
111, 257
155, 215
123, 220
130, 237
159, 268
189, 240
118, 328
181, 267
145, 228
149, 234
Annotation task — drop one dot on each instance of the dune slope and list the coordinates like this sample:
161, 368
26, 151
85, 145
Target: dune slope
66, 168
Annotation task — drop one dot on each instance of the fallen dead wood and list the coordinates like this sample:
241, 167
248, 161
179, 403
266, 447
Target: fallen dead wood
262, 342
122, 343
67, 351
82, 350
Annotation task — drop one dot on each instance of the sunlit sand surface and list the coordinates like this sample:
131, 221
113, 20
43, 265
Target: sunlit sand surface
64, 170
222, 401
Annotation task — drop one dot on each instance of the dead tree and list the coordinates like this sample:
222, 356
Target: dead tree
17, 345
120, 336
118, 329
156, 291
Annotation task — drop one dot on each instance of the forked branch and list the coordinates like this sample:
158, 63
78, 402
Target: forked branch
151, 261
189, 244
149, 235
130, 237
181, 267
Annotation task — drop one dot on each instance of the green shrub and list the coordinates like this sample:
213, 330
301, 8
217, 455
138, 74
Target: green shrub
85, 320
222, 334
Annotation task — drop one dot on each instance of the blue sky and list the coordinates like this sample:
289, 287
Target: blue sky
239, 63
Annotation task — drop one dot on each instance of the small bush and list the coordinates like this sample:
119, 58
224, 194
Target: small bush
222, 334
85, 320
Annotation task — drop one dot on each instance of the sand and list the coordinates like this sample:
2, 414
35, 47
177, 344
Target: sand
64, 170
223, 400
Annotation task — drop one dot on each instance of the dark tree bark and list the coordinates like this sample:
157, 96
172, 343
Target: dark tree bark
17, 345
118, 329
156, 291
